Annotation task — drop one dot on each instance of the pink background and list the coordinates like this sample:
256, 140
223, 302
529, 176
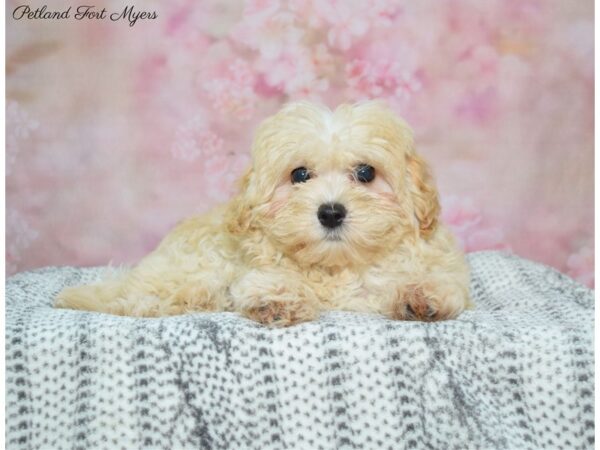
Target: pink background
114, 133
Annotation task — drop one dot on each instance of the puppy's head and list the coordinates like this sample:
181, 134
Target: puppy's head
335, 188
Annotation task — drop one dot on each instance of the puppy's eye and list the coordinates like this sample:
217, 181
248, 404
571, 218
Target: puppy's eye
300, 175
364, 173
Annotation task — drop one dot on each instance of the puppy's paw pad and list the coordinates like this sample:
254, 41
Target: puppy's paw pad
415, 304
280, 313
423, 312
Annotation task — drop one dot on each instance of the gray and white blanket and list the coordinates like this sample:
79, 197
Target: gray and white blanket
515, 373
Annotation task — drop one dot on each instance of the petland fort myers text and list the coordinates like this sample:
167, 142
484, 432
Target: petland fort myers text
83, 12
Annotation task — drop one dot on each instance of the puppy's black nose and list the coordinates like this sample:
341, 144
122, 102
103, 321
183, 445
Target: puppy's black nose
331, 215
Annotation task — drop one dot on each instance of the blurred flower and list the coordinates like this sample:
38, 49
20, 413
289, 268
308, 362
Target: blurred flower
460, 213
472, 231
346, 28
479, 106
381, 79
261, 7
19, 127
294, 72
384, 12
346, 21
231, 88
193, 139
267, 29
478, 62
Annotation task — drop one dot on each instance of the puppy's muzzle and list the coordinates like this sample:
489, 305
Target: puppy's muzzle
331, 215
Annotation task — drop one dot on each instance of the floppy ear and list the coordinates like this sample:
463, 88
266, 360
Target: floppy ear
423, 193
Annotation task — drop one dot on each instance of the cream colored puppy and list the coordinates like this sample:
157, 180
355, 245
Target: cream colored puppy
337, 212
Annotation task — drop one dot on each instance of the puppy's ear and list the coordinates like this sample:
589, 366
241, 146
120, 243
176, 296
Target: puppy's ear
423, 193
238, 214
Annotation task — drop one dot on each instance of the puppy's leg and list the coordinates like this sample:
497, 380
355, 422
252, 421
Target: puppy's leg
433, 283
119, 297
149, 290
187, 272
102, 297
277, 299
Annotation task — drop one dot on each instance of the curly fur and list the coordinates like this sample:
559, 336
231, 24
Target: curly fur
266, 255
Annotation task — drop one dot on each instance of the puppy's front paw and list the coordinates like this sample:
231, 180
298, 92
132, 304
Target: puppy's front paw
280, 313
428, 303
274, 299
413, 305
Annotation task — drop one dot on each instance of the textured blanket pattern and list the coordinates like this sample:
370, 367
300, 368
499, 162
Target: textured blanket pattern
515, 373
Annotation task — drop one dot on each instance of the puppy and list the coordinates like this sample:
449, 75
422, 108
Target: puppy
337, 212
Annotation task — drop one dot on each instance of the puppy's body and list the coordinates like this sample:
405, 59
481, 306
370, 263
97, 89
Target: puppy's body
297, 242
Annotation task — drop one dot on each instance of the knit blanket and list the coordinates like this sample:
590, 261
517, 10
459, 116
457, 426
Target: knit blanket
515, 373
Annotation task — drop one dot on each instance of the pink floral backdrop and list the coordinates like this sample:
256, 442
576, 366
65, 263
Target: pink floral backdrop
115, 133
